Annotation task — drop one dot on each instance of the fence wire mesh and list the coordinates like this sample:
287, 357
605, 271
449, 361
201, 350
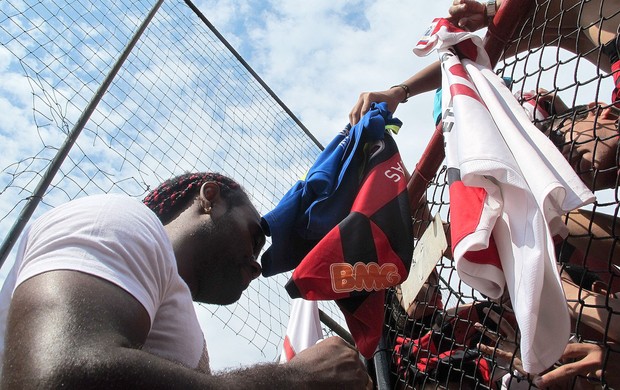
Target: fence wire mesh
555, 60
182, 101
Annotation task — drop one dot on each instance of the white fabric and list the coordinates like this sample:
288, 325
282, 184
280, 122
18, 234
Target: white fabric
534, 111
303, 330
514, 381
120, 240
529, 186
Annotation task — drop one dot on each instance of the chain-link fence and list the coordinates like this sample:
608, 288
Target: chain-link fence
556, 61
137, 92
133, 93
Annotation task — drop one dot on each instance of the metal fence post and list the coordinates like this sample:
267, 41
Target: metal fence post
59, 158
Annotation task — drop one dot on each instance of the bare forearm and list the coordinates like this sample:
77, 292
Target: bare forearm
266, 376
597, 315
75, 339
593, 309
593, 234
425, 80
130, 368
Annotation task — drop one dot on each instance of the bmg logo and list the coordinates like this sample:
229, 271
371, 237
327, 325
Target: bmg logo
361, 276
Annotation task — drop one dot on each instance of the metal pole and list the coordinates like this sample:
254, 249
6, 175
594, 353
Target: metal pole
252, 72
381, 359
35, 199
335, 327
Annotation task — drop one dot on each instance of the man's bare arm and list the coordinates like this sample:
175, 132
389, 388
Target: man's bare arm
74, 330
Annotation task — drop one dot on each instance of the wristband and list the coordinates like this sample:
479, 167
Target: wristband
406, 88
490, 8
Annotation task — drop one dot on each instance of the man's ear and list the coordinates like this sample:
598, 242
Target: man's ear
209, 193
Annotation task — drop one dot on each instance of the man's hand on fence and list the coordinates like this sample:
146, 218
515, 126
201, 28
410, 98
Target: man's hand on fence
506, 349
590, 359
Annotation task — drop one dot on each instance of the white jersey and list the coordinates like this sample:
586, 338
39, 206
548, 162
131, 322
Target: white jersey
118, 239
517, 187
303, 330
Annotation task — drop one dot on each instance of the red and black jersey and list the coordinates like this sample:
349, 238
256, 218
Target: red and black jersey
367, 252
449, 351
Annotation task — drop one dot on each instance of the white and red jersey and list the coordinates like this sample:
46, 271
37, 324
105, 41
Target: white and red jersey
303, 330
509, 188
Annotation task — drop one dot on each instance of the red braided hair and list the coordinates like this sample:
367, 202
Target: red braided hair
170, 196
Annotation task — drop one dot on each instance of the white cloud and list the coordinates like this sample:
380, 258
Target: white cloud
319, 56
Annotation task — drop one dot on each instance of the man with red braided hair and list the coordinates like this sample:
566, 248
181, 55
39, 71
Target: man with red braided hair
101, 294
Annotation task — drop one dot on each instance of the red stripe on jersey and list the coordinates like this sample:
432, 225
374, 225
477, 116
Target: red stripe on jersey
459, 70
465, 215
373, 195
386, 254
461, 89
289, 352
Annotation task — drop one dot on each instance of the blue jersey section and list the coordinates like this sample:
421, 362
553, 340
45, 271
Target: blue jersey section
312, 207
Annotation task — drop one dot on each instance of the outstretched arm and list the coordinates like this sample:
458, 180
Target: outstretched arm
594, 234
593, 309
559, 22
425, 80
75, 330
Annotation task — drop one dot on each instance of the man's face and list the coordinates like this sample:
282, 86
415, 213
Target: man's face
590, 145
230, 244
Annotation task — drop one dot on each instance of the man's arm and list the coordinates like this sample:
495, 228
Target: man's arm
556, 24
594, 234
593, 309
425, 80
74, 330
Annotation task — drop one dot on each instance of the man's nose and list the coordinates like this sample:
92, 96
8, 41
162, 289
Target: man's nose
256, 269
